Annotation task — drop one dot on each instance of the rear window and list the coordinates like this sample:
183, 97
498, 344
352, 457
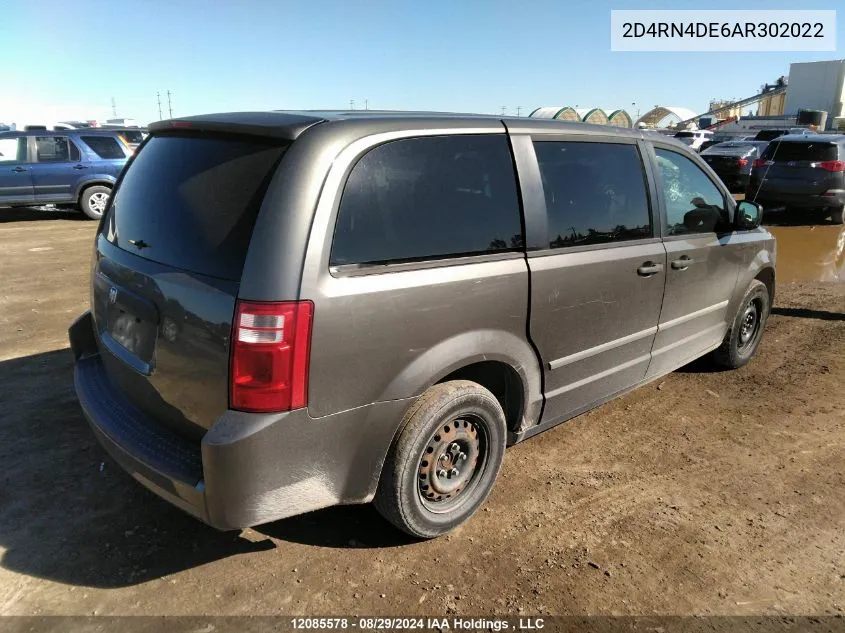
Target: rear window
192, 202
104, 146
798, 151
768, 135
732, 149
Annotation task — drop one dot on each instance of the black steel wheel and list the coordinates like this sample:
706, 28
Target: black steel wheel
743, 337
444, 461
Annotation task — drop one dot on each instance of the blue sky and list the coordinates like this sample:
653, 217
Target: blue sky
68, 60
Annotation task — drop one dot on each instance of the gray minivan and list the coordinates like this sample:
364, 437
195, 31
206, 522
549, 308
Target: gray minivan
295, 310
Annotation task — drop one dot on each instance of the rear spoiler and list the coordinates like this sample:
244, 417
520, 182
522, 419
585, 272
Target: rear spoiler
267, 124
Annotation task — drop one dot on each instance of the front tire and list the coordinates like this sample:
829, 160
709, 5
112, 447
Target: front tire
743, 338
837, 216
444, 461
94, 201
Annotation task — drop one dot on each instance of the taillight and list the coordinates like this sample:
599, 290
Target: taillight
269, 356
759, 162
742, 162
831, 165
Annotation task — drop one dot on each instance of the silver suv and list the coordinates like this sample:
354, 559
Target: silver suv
295, 310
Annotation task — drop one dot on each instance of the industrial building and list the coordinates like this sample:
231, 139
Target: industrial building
815, 89
817, 86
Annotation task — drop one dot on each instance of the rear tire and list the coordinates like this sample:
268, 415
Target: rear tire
94, 201
741, 342
836, 215
444, 461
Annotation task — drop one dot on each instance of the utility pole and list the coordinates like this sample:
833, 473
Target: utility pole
169, 106
113, 108
518, 110
158, 98
352, 104
366, 104
503, 110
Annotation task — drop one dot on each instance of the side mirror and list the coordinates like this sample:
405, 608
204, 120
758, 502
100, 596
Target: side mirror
748, 215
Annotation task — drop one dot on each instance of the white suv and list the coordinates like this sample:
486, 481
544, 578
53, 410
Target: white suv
694, 139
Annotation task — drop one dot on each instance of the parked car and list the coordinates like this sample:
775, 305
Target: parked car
733, 161
803, 173
296, 310
70, 167
695, 138
771, 134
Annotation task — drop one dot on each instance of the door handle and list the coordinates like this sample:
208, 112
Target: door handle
648, 269
683, 263
19, 169
80, 167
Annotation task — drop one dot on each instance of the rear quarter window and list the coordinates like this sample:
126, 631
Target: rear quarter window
428, 198
191, 202
105, 147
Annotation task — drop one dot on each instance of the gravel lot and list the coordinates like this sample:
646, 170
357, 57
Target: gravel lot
704, 493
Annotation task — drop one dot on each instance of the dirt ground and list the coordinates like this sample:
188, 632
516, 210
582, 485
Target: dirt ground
704, 493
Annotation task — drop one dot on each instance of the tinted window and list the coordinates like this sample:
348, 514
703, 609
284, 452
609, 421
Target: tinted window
55, 149
768, 135
693, 203
132, 136
595, 192
104, 146
193, 202
12, 150
429, 197
789, 151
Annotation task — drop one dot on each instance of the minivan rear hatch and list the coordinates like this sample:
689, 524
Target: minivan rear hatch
169, 258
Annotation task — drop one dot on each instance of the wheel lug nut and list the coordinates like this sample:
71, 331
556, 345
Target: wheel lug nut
462, 456
444, 457
441, 473
454, 472
454, 447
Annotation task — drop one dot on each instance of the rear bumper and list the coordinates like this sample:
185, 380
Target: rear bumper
249, 468
798, 201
